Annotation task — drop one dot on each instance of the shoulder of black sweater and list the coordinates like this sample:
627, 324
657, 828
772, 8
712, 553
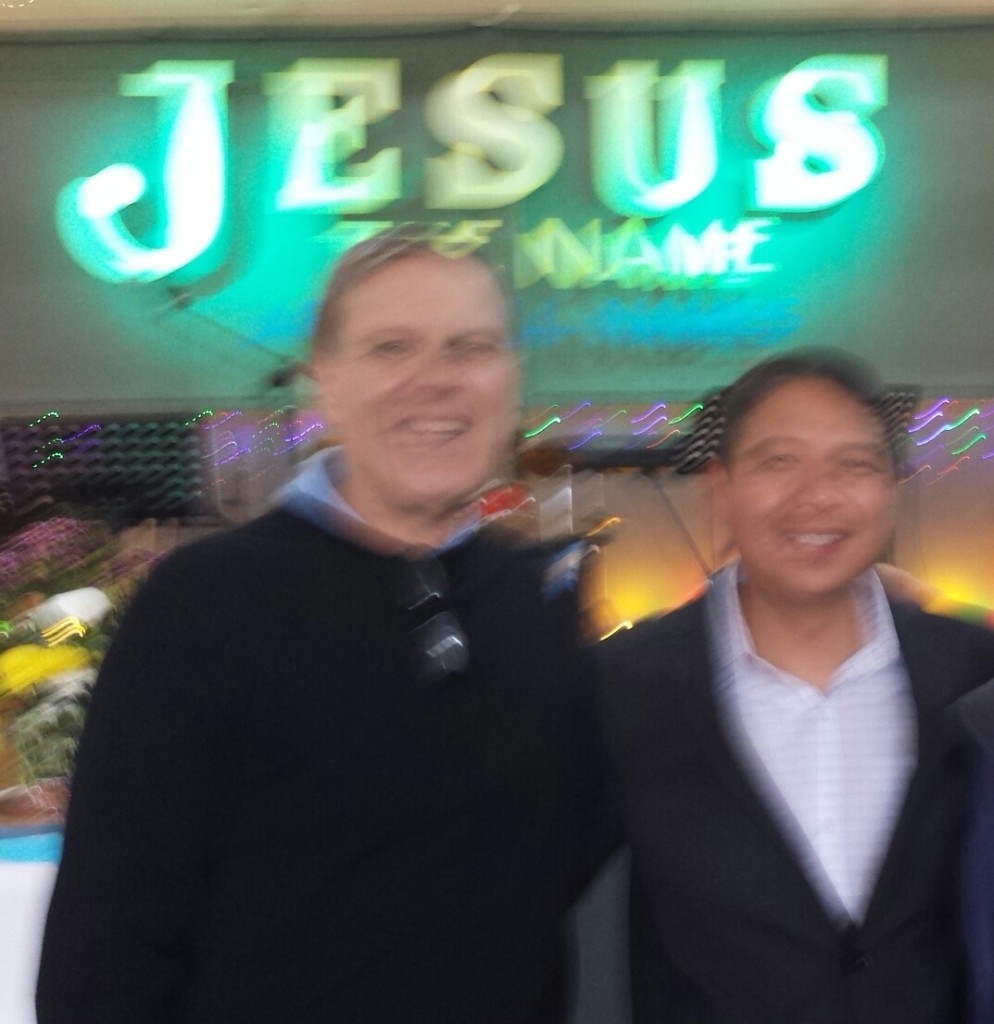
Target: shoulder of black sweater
282, 553
247, 552
281, 531
277, 530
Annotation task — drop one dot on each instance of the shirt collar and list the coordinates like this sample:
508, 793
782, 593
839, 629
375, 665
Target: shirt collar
733, 644
314, 494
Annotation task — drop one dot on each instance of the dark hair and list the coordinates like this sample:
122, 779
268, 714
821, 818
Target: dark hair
852, 375
365, 258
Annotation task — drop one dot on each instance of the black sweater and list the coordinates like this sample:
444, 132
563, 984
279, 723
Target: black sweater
272, 821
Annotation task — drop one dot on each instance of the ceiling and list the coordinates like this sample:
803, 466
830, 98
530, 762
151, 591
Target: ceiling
152, 18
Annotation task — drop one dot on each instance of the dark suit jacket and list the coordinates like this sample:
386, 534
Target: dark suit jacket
976, 713
727, 928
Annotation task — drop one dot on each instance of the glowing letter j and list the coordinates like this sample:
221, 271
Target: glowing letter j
194, 116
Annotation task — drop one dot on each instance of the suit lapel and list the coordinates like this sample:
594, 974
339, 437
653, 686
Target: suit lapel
975, 714
698, 688
690, 668
928, 674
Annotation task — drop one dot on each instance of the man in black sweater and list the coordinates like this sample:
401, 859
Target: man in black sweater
337, 765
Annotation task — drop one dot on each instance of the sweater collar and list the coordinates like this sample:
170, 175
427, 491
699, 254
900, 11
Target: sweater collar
314, 494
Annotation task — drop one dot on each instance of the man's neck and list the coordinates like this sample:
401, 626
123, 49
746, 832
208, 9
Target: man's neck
393, 532
809, 640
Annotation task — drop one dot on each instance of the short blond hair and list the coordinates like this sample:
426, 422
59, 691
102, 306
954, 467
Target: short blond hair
367, 257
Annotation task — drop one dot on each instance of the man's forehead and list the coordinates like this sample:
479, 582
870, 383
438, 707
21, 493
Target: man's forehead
798, 439
429, 285
428, 261
801, 407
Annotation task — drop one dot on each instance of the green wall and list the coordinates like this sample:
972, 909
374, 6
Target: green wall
900, 270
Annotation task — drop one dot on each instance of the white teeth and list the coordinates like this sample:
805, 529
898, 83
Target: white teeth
817, 539
436, 426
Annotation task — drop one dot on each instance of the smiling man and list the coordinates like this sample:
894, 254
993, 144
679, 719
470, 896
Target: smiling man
791, 793
337, 765
416, 373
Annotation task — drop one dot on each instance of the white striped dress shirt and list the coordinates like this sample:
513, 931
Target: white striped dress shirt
832, 765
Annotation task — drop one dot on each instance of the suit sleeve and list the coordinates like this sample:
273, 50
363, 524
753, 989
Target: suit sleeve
151, 769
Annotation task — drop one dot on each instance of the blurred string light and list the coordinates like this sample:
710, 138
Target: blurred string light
924, 423
665, 438
648, 413
624, 624
949, 426
254, 443
969, 444
552, 420
576, 409
932, 409
939, 443
942, 431
590, 436
696, 407
951, 441
65, 629
45, 416
662, 418
954, 467
952, 438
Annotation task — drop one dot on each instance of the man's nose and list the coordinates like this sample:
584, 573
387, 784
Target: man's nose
820, 486
437, 369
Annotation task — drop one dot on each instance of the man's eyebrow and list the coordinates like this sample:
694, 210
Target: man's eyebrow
494, 335
385, 329
764, 444
482, 332
865, 446
758, 447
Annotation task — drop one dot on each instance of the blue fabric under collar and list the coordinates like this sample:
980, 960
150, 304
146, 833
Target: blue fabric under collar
313, 494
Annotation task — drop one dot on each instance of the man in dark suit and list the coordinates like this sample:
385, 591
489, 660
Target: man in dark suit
792, 795
976, 712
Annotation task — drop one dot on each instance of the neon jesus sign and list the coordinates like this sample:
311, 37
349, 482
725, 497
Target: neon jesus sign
654, 148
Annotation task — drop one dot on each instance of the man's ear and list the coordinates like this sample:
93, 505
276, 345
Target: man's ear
717, 474
517, 378
325, 371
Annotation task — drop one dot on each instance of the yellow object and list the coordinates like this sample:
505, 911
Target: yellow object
30, 664
63, 630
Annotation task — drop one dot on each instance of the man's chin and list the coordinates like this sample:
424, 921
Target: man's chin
441, 509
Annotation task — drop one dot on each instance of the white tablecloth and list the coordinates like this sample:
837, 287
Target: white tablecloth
25, 890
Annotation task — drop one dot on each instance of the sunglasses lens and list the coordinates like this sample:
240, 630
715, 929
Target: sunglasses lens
438, 643
440, 648
421, 583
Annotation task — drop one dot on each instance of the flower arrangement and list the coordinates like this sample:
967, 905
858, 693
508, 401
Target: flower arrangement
64, 581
